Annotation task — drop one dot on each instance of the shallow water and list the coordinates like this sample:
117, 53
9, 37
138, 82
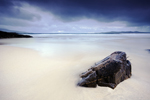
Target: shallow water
53, 71
82, 42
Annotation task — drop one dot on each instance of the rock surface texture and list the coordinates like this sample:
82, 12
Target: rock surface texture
110, 71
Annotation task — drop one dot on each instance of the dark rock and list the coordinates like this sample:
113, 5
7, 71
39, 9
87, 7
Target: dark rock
12, 35
108, 72
148, 50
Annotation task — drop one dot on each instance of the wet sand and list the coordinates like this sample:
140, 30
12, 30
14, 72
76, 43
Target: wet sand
50, 70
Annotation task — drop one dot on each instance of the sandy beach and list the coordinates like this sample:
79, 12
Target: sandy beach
49, 68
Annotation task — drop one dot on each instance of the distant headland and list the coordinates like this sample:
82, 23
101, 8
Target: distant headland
4, 34
111, 32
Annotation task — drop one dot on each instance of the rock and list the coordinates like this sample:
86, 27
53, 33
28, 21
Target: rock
110, 71
12, 35
148, 50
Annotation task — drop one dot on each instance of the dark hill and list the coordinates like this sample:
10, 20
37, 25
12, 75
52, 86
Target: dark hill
12, 35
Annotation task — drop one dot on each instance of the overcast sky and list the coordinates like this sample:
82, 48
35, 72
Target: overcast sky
75, 16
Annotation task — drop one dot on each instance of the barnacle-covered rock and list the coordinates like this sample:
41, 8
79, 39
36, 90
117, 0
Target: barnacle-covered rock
108, 72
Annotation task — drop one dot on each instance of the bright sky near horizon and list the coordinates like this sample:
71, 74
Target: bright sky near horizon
75, 16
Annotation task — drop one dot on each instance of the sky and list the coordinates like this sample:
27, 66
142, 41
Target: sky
75, 16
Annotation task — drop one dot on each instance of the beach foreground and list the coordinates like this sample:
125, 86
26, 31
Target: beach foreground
51, 70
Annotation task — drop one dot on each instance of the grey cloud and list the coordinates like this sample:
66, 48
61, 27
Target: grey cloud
134, 12
11, 9
13, 22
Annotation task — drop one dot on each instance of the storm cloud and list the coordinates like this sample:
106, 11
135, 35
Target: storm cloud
136, 12
132, 12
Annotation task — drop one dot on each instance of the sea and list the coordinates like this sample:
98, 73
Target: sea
44, 43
